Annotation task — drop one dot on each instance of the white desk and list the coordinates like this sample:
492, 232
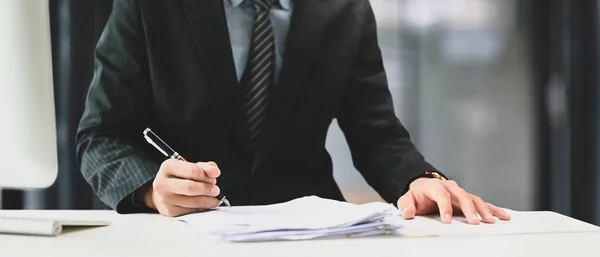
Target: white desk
152, 235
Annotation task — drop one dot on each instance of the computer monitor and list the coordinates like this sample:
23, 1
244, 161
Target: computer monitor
28, 149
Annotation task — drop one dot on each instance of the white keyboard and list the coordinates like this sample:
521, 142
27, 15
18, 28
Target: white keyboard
42, 227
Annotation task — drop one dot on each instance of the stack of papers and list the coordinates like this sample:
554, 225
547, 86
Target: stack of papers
304, 218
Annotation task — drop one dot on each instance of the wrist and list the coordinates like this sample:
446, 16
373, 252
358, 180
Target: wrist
426, 177
417, 182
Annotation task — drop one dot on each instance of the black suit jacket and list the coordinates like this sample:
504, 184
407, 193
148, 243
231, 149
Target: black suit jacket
167, 64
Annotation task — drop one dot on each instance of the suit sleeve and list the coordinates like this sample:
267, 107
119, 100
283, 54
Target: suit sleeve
111, 152
381, 147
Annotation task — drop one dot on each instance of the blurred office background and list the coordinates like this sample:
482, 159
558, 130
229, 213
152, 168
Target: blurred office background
500, 95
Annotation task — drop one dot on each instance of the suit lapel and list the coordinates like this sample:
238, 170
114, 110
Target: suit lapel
304, 38
209, 27
309, 19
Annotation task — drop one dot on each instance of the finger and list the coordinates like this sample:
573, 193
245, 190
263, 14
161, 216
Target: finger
498, 212
185, 170
406, 204
443, 198
211, 170
194, 202
464, 201
483, 209
191, 188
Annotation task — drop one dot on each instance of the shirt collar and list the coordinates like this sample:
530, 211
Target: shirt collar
285, 4
236, 3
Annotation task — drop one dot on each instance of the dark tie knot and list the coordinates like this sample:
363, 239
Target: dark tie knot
264, 5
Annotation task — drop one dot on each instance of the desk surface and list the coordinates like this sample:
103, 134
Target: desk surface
152, 235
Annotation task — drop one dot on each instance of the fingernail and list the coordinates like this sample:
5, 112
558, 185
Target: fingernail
447, 217
215, 190
475, 218
404, 212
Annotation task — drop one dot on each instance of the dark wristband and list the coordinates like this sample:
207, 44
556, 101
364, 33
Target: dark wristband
137, 199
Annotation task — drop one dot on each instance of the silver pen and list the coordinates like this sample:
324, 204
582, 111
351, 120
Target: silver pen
165, 149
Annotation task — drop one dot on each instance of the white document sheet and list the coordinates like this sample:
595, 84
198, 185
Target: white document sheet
302, 218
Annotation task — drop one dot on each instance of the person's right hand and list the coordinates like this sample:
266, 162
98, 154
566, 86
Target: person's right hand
182, 187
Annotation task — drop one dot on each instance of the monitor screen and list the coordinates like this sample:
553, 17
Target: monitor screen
28, 150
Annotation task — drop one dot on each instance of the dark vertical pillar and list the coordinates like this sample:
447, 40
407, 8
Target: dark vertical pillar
76, 26
568, 100
596, 113
538, 32
540, 46
583, 92
12, 200
556, 104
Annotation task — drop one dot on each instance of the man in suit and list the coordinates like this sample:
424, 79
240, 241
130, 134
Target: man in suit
246, 90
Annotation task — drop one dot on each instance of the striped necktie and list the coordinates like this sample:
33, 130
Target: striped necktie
260, 71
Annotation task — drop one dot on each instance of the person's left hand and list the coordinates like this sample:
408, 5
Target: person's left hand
430, 195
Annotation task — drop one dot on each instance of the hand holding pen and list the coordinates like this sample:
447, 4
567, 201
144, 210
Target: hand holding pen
181, 187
